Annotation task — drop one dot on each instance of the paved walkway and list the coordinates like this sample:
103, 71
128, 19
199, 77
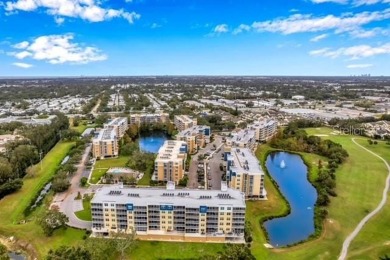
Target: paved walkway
348, 240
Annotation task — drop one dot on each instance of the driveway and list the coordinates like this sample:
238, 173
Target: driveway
66, 200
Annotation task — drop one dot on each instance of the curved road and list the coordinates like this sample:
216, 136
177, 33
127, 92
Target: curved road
354, 233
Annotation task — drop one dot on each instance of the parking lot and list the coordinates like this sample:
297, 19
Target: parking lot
196, 173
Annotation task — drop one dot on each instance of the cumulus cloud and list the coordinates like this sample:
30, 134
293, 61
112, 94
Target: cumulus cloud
369, 2
299, 23
221, 28
57, 49
359, 66
241, 28
22, 65
353, 52
89, 10
319, 37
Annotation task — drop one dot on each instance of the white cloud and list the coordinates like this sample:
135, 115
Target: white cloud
242, 28
299, 23
21, 45
330, 1
319, 37
359, 66
155, 26
221, 28
353, 52
22, 65
58, 49
59, 20
369, 2
89, 10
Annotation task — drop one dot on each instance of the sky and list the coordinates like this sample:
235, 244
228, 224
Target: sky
194, 37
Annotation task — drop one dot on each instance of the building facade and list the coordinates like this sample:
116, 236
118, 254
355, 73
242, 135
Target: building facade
169, 214
170, 162
183, 122
265, 129
120, 125
243, 173
195, 137
105, 144
140, 119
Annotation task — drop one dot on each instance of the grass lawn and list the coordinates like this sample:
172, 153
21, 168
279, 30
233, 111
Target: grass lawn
85, 214
174, 250
101, 167
82, 126
12, 207
145, 180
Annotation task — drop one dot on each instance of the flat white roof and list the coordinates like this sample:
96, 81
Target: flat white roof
158, 196
245, 162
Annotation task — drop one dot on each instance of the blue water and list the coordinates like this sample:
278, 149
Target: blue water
152, 143
301, 195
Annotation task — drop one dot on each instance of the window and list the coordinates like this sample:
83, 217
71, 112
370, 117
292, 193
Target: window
106, 204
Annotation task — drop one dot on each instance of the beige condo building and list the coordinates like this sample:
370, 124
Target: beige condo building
105, 144
169, 214
170, 162
244, 173
120, 125
140, 119
183, 122
195, 137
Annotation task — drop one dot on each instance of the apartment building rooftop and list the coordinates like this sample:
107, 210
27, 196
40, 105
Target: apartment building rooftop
194, 130
184, 118
106, 134
171, 149
117, 121
263, 123
166, 197
244, 162
244, 136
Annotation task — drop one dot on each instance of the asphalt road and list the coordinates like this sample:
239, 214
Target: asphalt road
66, 200
348, 240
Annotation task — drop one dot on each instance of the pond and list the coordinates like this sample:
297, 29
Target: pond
290, 173
152, 142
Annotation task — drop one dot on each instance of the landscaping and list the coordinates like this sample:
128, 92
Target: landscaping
85, 214
102, 166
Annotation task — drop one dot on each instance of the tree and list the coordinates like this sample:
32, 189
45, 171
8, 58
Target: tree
51, 221
23, 157
5, 170
60, 183
66, 252
100, 248
83, 181
123, 242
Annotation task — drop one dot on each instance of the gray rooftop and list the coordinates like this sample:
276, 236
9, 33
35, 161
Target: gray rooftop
157, 196
245, 162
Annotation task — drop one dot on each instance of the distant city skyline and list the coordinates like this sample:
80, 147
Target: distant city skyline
194, 37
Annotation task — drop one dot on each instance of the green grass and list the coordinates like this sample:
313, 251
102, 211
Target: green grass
145, 180
173, 250
82, 126
12, 207
85, 214
101, 167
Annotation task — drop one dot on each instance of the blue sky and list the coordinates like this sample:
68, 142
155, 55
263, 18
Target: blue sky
194, 37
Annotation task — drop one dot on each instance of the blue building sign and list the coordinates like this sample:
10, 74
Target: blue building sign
166, 207
130, 207
203, 209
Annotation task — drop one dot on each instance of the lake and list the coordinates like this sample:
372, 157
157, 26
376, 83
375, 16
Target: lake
290, 173
152, 142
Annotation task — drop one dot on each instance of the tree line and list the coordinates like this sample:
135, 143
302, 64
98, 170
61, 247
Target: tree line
24, 153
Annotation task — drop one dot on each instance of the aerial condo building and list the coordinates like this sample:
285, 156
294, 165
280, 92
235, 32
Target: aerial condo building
170, 162
183, 122
195, 137
169, 214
